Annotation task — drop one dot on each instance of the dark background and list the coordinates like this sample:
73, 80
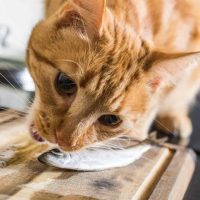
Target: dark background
193, 192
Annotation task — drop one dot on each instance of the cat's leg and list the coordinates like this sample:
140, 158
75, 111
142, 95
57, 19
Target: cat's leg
173, 116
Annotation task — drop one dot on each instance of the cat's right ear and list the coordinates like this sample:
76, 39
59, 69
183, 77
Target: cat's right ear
167, 69
84, 16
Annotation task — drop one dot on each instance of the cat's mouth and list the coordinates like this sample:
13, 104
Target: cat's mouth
34, 134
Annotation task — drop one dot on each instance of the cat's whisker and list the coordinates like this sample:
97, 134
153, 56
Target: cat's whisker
13, 77
20, 98
106, 145
124, 138
114, 146
28, 101
161, 124
110, 144
101, 147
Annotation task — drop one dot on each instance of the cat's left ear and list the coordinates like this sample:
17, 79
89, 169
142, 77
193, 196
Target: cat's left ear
85, 16
167, 69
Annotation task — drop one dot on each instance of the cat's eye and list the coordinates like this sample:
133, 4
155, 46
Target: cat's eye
110, 120
65, 85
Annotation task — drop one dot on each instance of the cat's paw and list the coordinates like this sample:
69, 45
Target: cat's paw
177, 124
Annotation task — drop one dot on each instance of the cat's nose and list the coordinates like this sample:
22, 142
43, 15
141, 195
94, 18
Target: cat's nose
68, 146
67, 143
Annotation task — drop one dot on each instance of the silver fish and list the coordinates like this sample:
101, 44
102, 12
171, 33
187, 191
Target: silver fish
93, 159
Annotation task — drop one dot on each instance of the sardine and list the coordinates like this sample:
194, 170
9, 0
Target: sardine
93, 159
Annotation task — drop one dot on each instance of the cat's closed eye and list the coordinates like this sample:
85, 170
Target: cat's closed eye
65, 86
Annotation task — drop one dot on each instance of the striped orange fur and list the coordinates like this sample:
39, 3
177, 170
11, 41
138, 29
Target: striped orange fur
132, 59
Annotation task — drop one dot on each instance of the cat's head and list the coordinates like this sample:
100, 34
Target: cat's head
95, 77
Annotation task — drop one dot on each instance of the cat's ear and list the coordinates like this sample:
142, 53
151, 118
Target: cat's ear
169, 68
85, 16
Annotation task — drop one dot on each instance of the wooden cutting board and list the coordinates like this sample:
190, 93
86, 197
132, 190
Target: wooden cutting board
160, 174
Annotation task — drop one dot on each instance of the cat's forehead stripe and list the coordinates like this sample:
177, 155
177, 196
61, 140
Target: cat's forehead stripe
117, 75
41, 58
110, 78
110, 59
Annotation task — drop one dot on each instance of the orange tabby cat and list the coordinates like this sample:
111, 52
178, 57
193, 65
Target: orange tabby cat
107, 69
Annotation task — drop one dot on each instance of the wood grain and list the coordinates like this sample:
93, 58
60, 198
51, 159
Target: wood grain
122, 183
175, 180
10, 115
12, 128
